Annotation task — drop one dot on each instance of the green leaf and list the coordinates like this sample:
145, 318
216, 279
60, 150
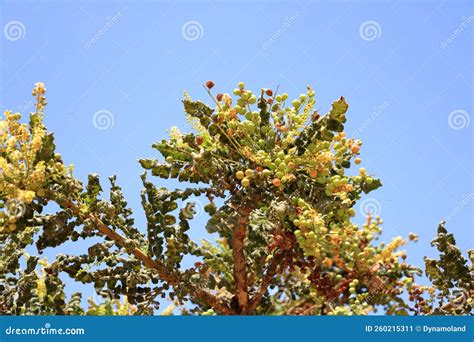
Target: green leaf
47, 150
366, 187
335, 125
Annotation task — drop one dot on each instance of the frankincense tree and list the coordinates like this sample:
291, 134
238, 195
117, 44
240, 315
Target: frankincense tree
279, 202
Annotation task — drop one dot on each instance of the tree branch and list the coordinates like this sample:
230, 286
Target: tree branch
266, 280
170, 277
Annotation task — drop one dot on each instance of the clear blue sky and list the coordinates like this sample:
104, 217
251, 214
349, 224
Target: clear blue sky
403, 67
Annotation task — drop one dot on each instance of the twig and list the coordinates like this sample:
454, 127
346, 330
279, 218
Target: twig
266, 280
170, 277
212, 96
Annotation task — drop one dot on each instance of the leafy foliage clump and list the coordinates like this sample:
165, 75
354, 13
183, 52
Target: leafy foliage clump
279, 201
451, 275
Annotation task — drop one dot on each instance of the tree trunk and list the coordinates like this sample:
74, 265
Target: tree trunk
240, 262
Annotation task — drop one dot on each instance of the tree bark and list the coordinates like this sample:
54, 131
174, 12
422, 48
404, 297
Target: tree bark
240, 262
266, 280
